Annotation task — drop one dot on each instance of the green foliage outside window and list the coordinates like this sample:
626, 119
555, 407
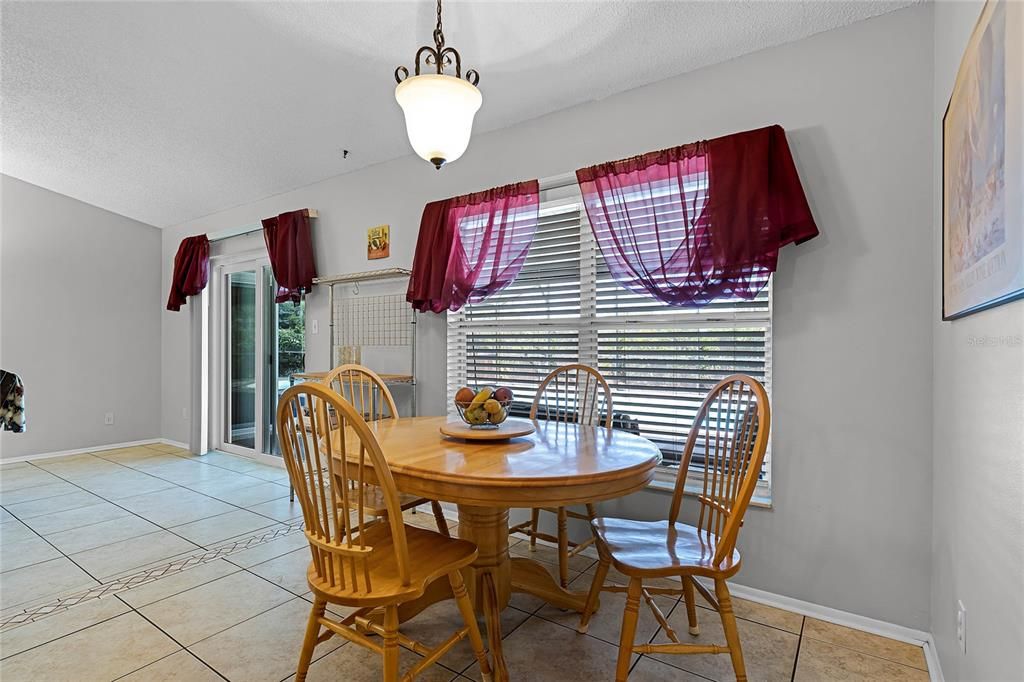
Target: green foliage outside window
291, 338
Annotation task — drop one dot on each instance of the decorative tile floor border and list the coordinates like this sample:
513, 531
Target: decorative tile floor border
145, 576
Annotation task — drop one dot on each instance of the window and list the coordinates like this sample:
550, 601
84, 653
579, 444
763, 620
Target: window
565, 307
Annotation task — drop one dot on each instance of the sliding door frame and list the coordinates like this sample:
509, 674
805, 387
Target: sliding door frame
219, 384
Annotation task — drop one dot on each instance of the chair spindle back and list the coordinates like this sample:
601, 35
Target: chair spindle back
574, 393
364, 389
337, 528
731, 430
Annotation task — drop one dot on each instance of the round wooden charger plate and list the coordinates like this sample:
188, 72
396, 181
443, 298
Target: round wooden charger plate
510, 428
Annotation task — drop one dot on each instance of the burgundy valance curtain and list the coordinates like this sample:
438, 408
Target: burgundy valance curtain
472, 246
702, 221
191, 270
290, 247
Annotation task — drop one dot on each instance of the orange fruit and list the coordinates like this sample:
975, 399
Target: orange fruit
465, 396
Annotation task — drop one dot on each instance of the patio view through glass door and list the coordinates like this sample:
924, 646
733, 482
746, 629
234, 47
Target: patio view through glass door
285, 338
263, 345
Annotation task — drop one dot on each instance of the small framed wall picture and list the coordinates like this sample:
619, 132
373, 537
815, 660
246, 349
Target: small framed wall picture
983, 168
378, 242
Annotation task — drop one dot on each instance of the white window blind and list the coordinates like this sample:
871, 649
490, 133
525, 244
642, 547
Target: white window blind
565, 307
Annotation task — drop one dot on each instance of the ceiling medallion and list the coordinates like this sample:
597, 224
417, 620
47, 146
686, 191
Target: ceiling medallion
439, 108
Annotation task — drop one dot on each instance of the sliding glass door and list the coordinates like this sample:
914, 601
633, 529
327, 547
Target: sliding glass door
240, 425
262, 345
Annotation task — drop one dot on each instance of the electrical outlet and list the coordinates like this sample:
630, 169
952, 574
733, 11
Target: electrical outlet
108, 419
184, 413
315, 326
961, 626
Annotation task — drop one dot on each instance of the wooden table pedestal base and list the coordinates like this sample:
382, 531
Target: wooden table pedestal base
493, 577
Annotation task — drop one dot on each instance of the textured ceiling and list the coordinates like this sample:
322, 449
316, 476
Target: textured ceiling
169, 111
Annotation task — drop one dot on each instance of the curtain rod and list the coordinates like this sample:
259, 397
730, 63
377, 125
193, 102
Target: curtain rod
249, 229
556, 181
550, 182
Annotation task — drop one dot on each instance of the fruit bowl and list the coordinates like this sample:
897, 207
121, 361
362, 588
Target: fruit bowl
486, 409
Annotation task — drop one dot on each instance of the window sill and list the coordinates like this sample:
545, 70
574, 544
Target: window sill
665, 482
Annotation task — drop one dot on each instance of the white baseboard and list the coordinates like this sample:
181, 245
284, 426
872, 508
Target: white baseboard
845, 618
95, 448
174, 443
931, 657
83, 451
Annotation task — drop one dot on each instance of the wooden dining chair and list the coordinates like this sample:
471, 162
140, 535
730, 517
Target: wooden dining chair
730, 433
578, 394
367, 392
371, 563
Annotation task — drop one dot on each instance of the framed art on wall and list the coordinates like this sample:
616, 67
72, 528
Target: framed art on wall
378, 242
983, 168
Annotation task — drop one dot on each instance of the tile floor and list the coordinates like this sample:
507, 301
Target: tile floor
148, 563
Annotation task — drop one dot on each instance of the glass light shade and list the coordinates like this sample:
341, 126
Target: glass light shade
439, 113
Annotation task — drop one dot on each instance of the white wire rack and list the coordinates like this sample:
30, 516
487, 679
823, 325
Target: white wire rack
381, 320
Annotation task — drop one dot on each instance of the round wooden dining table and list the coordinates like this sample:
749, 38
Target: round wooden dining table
559, 464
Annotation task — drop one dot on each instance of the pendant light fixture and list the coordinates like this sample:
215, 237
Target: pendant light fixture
439, 108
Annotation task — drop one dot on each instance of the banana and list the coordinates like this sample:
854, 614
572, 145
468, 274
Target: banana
476, 416
481, 397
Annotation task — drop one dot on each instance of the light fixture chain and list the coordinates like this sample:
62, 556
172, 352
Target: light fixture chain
438, 32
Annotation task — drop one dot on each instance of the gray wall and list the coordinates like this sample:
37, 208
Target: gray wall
978, 543
80, 322
850, 527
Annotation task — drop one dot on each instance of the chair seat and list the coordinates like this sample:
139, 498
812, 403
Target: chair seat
435, 557
652, 549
